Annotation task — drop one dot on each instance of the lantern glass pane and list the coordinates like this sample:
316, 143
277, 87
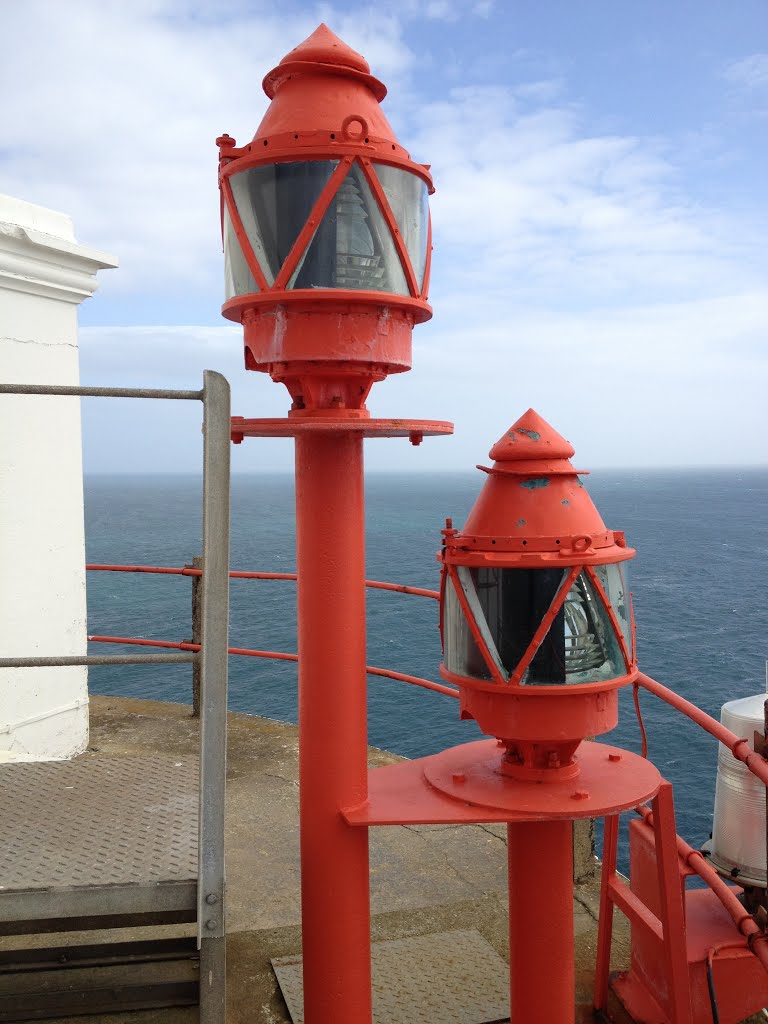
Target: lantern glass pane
238, 279
274, 202
408, 198
580, 645
615, 582
352, 247
461, 654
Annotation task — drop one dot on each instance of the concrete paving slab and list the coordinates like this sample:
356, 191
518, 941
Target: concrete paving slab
424, 879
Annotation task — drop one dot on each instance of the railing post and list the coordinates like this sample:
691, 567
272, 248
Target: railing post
605, 919
213, 711
197, 630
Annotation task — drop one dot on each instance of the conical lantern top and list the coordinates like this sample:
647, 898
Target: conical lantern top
531, 438
323, 49
534, 509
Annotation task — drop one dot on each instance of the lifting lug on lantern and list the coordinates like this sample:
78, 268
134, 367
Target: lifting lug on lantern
536, 617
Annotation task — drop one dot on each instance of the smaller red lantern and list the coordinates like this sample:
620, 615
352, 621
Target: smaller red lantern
536, 619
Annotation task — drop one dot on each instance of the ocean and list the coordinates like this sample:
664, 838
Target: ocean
698, 582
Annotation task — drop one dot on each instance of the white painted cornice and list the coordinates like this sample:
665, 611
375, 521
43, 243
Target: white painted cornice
42, 263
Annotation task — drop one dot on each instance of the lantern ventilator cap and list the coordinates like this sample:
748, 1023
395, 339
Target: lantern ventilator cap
323, 52
531, 439
533, 507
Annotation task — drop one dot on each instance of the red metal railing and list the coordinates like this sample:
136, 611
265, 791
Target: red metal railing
737, 745
755, 939
247, 652
190, 571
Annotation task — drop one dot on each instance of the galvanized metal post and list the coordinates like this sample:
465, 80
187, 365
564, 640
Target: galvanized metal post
197, 626
213, 678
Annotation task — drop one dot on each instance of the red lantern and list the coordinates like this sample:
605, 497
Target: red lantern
536, 615
326, 231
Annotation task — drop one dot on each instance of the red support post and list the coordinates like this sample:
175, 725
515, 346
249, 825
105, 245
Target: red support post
672, 910
332, 727
541, 953
605, 921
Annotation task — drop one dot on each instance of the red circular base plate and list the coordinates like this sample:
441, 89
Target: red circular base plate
609, 780
291, 426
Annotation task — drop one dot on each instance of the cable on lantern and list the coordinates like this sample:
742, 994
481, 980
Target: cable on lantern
640, 722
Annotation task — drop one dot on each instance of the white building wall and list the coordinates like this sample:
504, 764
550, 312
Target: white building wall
44, 276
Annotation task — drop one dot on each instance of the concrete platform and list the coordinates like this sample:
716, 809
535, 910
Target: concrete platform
423, 879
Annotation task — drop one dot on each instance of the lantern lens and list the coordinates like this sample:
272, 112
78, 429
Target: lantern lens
409, 201
238, 279
614, 580
508, 607
352, 247
274, 202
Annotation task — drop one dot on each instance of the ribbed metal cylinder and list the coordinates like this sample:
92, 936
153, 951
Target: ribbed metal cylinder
739, 827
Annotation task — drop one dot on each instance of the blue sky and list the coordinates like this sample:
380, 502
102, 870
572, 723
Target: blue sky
600, 215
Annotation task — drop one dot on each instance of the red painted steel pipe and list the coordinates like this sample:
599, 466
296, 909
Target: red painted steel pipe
248, 652
738, 745
333, 748
399, 588
541, 952
757, 940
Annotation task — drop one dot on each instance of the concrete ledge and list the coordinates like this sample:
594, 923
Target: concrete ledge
423, 879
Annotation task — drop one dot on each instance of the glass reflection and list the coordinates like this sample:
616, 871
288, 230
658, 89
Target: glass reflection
509, 605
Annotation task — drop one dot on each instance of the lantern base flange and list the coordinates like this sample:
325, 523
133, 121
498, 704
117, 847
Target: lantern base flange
415, 430
463, 786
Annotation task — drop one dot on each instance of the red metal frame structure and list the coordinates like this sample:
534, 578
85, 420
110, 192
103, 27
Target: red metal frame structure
327, 245
328, 305
699, 953
534, 644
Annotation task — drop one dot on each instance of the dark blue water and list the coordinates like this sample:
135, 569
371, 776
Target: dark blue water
698, 582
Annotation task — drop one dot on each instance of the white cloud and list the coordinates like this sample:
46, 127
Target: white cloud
114, 109
568, 261
441, 10
529, 200
666, 384
750, 73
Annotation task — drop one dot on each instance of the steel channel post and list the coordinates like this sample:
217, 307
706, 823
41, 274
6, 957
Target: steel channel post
333, 748
541, 956
213, 698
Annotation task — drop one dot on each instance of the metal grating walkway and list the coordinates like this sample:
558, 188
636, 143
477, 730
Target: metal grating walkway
443, 978
108, 823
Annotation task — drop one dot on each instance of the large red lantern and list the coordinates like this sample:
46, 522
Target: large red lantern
326, 231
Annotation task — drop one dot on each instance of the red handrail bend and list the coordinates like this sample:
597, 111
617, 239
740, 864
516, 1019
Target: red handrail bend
698, 956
